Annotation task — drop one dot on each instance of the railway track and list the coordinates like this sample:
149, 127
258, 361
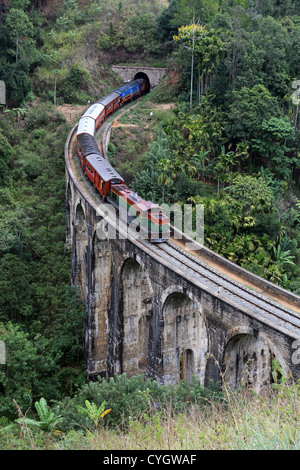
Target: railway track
252, 301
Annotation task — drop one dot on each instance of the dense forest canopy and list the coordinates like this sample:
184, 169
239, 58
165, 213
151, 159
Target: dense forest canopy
232, 144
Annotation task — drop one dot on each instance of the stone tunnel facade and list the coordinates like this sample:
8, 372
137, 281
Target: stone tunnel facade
129, 73
144, 317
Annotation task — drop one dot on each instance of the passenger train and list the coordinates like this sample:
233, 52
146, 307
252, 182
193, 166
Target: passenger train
149, 219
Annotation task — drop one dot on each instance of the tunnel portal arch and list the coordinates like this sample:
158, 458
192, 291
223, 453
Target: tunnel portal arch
145, 77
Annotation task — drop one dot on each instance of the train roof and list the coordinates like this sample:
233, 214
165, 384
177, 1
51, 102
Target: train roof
88, 144
94, 111
103, 168
107, 99
86, 125
135, 199
129, 86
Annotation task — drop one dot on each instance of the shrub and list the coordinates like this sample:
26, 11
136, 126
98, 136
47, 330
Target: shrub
133, 397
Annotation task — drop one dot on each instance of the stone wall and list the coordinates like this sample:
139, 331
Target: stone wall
129, 73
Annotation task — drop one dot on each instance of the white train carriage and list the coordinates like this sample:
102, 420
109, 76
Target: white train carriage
97, 112
86, 125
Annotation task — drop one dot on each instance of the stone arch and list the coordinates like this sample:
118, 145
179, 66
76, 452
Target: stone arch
247, 361
81, 242
99, 305
144, 76
136, 312
184, 344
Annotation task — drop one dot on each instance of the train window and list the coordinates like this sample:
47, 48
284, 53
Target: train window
89, 169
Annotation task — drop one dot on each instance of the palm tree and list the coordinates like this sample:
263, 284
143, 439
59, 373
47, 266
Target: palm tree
282, 257
164, 166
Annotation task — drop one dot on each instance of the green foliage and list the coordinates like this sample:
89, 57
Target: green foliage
42, 316
275, 144
17, 53
248, 110
151, 181
47, 419
71, 17
111, 150
18, 27
75, 82
131, 397
93, 412
29, 370
131, 27
5, 156
165, 29
243, 128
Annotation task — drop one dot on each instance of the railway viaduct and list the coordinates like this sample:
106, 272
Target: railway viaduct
165, 312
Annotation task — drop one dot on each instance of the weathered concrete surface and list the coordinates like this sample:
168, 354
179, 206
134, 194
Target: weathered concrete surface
128, 73
146, 315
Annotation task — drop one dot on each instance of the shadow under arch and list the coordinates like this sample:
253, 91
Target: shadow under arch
100, 299
247, 362
136, 315
184, 341
80, 247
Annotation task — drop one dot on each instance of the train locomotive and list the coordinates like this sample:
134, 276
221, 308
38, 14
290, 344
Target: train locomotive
146, 217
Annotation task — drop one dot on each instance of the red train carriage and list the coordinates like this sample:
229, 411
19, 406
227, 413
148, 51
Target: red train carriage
102, 174
144, 216
110, 102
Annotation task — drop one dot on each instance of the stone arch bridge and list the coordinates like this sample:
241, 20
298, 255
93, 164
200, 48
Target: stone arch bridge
162, 311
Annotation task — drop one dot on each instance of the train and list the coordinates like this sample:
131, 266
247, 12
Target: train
146, 218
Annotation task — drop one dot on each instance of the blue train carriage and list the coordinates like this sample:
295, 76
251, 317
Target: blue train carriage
131, 90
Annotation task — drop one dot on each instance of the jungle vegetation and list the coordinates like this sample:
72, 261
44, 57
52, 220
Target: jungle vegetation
231, 143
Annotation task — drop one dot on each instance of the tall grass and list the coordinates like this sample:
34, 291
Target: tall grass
244, 421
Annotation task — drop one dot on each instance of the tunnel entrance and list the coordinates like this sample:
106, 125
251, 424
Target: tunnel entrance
145, 77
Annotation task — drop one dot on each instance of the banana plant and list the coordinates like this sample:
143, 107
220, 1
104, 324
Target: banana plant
48, 420
93, 412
